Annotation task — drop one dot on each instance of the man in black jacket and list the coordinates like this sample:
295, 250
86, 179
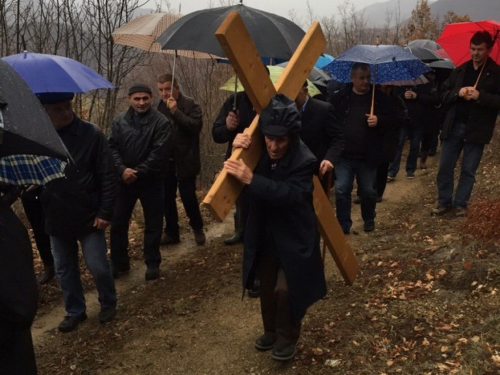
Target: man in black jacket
184, 165
140, 143
79, 209
472, 93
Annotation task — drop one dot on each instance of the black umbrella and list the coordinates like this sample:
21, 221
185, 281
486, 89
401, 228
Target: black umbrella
423, 54
274, 36
26, 127
317, 76
441, 64
425, 43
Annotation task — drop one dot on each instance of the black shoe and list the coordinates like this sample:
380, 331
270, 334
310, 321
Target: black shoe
69, 323
46, 275
440, 210
234, 239
152, 273
369, 227
167, 240
265, 342
107, 314
254, 292
284, 354
199, 237
117, 269
379, 199
357, 200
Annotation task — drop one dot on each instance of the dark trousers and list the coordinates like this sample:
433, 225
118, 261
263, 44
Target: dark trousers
381, 180
152, 197
34, 212
17, 355
187, 191
275, 302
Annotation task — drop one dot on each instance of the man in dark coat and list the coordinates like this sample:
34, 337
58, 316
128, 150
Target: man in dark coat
184, 165
79, 209
472, 93
282, 239
141, 144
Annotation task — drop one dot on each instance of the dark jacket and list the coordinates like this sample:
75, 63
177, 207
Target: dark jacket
281, 212
145, 149
422, 106
187, 125
246, 113
483, 112
321, 132
387, 120
89, 191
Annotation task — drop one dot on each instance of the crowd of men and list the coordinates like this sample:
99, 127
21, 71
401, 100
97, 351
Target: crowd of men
153, 150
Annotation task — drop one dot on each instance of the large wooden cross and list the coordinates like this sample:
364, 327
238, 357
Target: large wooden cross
244, 57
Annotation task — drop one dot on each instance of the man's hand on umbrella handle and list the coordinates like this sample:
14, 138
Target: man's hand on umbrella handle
239, 170
410, 94
129, 176
172, 104
232, 121
472, 93
325, 167
242, 140
372, 121
100, 223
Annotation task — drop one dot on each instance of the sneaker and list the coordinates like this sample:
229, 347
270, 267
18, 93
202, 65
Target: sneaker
69, 323
46, 275
117, 269
284, 354
440, 210
107, 314
423, 166
234, 239
390, 178
199, 237
167, 240
369, 227
410, 175
152, 273
460, 212
265, 342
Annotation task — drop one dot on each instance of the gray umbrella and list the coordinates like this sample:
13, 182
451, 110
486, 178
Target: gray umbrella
425, 43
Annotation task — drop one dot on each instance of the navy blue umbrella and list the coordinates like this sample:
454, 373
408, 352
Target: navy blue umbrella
387, 63
53, 73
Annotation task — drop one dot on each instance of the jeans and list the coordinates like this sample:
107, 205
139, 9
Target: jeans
187, 191
345, 171
152, 198
65, 251
414, 132
451, 148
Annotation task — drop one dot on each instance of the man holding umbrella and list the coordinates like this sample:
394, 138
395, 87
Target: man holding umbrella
473, 94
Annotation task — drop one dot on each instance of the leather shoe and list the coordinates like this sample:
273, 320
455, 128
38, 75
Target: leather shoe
440, 210
69, 323
284, 354
265, 342
107, 314
254, 291
234, 239
117, 269
167, 240
369, 227
46, 275
152, 273
199, 237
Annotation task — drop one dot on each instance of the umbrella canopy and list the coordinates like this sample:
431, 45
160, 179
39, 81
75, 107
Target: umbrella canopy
456, 37
52, 73
23, 170
425, 43
317, 76
142, 32
423, 54
274, 36
442, 64
387, 63
324, 60
275, 72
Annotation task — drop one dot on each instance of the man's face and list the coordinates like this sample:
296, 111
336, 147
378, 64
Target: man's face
61, 114
140, 102
361, 81
479, 53
301, 97
277, 146
165, 90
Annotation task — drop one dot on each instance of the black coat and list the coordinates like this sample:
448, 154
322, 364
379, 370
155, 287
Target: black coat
281, 208
89, 191
145, 149
483, 112
246, 113
18, 296
187, 125
321, 132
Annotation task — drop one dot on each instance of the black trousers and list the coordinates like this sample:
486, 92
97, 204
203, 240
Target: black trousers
34, 212
151, 196
187, 191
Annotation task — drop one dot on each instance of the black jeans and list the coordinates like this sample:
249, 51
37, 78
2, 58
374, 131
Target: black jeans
187, 191
151, 196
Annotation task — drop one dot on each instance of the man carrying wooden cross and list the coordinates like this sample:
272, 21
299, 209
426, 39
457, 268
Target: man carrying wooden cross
282, 239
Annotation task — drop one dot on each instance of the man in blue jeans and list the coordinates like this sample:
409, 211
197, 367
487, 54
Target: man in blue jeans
472, 93
78, 209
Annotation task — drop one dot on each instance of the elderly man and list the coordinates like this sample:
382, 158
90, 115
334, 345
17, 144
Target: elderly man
140, 143
281, 237
184, 164
472, 93
79, 209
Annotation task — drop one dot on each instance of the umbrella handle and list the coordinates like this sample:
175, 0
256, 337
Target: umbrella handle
479, 76
372, 109
173, 75
235, 92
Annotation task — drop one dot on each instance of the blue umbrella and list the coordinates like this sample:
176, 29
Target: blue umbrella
52, 73
387, 63
323, 60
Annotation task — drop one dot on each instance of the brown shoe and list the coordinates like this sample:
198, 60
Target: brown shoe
440, 210
460, 212
199, 237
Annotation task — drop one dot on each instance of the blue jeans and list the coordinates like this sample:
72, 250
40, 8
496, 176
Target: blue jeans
65, 251
414, 132
451, 148
345, 171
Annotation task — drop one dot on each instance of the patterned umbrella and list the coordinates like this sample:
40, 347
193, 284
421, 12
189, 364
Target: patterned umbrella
30, 169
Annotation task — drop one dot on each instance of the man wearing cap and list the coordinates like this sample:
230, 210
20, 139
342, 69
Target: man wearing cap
79, 209
281, 237
141, 145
